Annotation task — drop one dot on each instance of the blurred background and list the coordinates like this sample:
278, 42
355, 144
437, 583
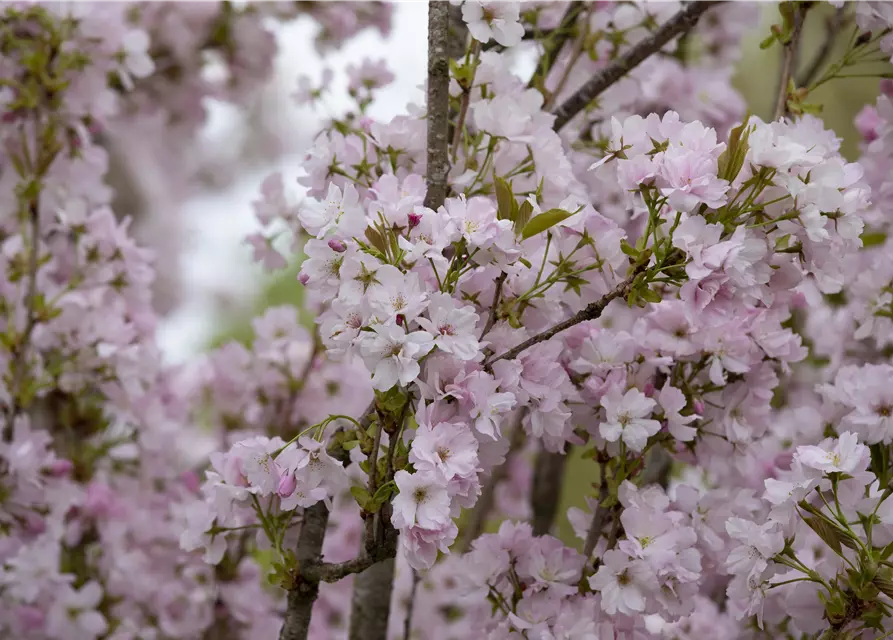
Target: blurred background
221, 288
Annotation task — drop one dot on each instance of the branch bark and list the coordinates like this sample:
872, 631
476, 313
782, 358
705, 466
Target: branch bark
485, 503
590, 312
545, 494
438, 102
371, 601
683, 21
553, 47
296, 625
833, 25
788, 56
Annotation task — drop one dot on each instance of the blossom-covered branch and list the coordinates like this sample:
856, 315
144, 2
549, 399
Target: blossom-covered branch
678, 24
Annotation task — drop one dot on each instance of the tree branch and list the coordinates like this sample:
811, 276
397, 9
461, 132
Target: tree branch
683, 21
438, 102
485, 502
590, 312
598, 521
553, 46
371, 602
491, 319
833, 25
545, 492
296, 625
407, 623
789, 53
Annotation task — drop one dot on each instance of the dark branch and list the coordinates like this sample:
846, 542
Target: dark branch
296, 625
788, 56
491, 319
590, 312
554, 45
438, 102
485, 503
833, 25
683, 21
545, 493
407, 623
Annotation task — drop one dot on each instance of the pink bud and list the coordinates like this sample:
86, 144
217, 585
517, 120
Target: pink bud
31, 618
783, 460
287, 485
798, 300
414, 219
337, 245
699, 406
400, 319
649, 389
34, 524
303, 278
191, 480
61, 467
365, 123
100, 500
868, 122
887, 87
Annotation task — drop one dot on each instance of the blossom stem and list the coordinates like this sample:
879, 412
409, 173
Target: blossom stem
683, 21
590, 312
438, 166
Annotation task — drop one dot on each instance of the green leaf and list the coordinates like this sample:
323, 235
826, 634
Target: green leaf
886, 586
732, 159
826, 531
628, 249
362, 497
545, 221
505, 200
391, 401
522, 217
873, 238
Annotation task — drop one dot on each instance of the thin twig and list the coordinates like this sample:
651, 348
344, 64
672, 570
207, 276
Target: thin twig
590, 312
463, 106
485, 503
491, 319
438, 115
575, 57
833, 24
554, 45
407, 624
683, 21
788, 55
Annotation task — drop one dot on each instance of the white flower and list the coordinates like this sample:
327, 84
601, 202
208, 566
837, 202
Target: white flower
759, 545
627, 418
398, 294
672, 401
497, 20
846, 456
423, 501
393, 355
488, 404
622, 583
340, 214
452, 327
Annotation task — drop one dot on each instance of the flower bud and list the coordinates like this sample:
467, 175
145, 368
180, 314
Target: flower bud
191, 480
414, 219
61, 467
337, 245
784, 460
303, 278
287, 485
30, 618
649, 389
699, 406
